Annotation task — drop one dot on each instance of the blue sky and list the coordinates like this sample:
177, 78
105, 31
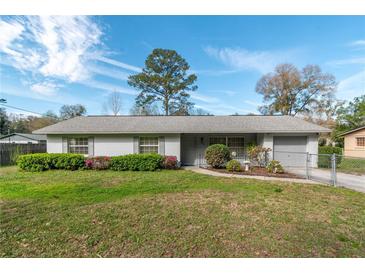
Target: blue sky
50, 61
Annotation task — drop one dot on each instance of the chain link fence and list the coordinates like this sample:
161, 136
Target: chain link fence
332, 169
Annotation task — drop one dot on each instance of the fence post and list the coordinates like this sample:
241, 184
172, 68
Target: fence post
307, 165
333, 166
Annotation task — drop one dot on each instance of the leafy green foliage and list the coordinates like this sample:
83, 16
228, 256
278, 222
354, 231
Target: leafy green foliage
350, 117
45, 161
275, 167
258, 155
324, 160
217, 155
137, 162
233, 165
71, 111
165, 79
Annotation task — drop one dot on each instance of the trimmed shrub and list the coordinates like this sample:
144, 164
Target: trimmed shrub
45, 161
137, 162
98, 163
275, 167
233, 165
170, 162
324, 161
217, 155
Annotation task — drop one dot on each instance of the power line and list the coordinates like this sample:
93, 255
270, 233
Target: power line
22, 109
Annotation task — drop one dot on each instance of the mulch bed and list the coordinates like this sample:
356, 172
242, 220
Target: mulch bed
255, 171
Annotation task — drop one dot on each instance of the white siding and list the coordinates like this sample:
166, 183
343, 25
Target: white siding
54, 144
113, 145
172, 145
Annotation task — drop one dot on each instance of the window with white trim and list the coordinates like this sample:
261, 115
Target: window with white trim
148, 145
235, 144
78, 145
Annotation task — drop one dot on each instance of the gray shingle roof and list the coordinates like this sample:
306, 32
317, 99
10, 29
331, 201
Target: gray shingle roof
181, 124
37, 137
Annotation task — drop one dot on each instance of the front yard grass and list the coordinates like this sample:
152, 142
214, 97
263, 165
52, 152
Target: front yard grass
174, 214
352, 166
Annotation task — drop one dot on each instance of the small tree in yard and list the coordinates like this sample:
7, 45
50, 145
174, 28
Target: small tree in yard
217, 155
258, 155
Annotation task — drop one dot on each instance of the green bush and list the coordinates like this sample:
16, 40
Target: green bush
275, 167
45, 161
324, 161
137, 162
217, 155
233, 165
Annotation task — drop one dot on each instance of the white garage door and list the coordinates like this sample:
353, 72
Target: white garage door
290, 150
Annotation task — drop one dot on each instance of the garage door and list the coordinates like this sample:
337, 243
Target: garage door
290, 150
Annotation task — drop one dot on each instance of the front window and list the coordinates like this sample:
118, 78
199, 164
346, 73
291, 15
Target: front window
360, 141
148, 145
78, 145
235, 144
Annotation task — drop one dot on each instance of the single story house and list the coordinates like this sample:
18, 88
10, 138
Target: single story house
354, 142
186, 137
23, 138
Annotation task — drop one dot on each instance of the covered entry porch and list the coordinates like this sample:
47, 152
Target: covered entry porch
193, 146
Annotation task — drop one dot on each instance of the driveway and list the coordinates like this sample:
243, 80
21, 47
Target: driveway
355, 182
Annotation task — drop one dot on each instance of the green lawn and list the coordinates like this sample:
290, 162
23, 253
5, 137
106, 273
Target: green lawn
174, 214
352, 165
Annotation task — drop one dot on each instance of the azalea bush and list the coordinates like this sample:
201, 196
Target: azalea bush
98, 162
170, 162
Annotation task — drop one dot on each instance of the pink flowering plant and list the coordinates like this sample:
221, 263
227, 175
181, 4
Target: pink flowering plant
98, 162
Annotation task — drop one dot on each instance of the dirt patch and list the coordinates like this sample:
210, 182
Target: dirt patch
256, 171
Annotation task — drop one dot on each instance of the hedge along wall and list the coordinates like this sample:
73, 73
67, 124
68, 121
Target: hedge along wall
68, 161
137, 162
45, 161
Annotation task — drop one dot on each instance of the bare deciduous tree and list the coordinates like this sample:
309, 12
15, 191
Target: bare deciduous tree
113, 104
289, 91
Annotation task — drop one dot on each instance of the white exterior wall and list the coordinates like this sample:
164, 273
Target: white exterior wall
114, 145
172, 145
54, 144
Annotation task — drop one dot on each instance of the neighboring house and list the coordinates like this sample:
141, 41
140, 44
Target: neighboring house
23, 138
354, 142
186, 137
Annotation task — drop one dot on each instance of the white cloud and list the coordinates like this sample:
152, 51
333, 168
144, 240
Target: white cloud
109, 87
242, 59
45, 88
354, 60
352, 86
58, 48
204, 98
252, 103
118, 64
358, 43
9, 31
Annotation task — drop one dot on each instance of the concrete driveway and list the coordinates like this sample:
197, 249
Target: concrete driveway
355, 182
